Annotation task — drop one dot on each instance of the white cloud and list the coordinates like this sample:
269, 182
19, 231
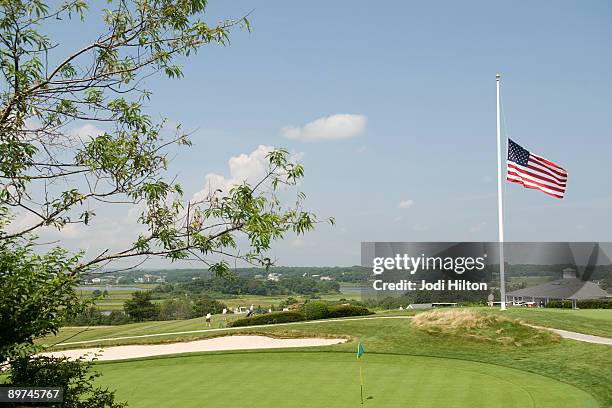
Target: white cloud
85, 132
334, 127
31, 124
361, 149
250, 167
398, 219
21, 221
405, 204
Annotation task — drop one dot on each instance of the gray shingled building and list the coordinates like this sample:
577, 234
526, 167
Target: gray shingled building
567, 288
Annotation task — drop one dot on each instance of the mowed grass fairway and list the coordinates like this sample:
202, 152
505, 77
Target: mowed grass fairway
403, 366
331, 379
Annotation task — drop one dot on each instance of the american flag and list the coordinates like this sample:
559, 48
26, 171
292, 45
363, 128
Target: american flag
533, 171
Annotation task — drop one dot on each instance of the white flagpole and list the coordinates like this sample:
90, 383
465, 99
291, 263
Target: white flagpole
500, 205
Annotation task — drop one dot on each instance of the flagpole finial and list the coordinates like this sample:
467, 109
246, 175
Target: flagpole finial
497, 76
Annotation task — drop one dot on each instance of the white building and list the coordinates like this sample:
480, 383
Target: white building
274, 276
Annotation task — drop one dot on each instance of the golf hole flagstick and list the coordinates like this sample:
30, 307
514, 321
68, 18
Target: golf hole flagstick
360, 353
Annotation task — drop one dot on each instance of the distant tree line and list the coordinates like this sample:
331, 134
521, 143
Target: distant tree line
241, 285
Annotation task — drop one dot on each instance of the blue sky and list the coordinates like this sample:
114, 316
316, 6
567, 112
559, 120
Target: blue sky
423, 74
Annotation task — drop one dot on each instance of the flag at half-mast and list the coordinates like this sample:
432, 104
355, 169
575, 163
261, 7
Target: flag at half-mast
533, 171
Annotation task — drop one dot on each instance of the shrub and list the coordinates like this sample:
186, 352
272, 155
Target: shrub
316, 310
581, 304
594, 304
348, 310
270, 318
559, 304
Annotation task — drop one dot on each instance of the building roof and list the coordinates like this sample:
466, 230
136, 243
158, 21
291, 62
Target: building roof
562, 289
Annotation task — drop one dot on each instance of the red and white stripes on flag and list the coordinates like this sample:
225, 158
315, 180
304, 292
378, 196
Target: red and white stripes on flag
533, 171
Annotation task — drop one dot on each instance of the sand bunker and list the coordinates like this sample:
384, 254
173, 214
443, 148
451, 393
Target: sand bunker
214, 344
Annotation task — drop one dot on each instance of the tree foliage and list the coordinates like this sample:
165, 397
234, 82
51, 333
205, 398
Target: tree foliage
206, 304
55, 179
176, 309
253, 286
140, 307
51, 177
36, 295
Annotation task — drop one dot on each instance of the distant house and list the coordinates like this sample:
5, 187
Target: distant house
326, 278
274, 276
151, 278
104, 279
567, 288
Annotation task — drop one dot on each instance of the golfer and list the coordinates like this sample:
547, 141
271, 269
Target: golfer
208, 316
224, 322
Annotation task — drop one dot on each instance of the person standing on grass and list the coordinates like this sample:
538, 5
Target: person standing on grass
208, 316
224, 317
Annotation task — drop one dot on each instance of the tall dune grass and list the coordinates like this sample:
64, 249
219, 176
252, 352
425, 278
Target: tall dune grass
482, 327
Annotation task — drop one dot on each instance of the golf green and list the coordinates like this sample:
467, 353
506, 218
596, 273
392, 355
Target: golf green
331, 379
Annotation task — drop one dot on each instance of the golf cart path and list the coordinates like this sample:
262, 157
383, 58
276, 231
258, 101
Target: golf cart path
563, 333
588, 338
